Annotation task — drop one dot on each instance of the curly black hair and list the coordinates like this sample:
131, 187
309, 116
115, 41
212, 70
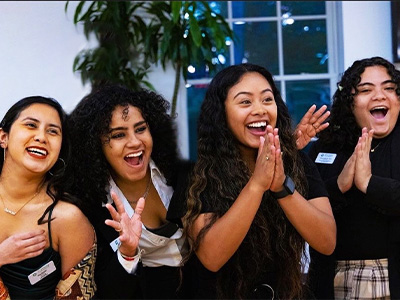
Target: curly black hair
90, 120
57, 178
343, 130
219, 176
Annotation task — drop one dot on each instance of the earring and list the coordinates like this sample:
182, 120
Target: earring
63, 168
2, 145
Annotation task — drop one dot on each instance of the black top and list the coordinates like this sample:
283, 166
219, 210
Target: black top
203, 281
112, 280
15, 276
367, 224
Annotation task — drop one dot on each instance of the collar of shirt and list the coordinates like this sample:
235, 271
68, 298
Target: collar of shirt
160, 183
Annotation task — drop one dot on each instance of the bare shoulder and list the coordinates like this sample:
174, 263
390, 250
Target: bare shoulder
66, 211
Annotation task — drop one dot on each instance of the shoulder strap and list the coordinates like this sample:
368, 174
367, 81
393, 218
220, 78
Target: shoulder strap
49, 228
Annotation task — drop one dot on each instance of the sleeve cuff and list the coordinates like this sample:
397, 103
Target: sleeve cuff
130, 266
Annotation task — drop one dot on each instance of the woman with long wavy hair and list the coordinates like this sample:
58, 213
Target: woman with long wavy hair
254, 198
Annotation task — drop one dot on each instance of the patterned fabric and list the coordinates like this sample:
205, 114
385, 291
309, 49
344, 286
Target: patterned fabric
3, 291
358, 279
78, 283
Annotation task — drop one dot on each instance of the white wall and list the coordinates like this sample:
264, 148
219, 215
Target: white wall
367, 30
38, 43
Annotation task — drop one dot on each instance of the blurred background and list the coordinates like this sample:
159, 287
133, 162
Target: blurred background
305, 44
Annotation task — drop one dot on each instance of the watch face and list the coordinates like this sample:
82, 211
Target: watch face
289, 185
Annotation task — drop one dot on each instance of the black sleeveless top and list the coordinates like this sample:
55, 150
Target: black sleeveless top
15, 276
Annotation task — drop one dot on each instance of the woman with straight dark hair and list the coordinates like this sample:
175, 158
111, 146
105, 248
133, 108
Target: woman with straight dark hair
254, 198
45, 237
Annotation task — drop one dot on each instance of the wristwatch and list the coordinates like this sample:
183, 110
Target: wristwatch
288, 189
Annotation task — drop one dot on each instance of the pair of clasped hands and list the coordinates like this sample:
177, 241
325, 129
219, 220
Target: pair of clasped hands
357, 169
269, 171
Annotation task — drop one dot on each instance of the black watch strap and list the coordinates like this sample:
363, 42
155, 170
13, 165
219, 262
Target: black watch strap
288, 189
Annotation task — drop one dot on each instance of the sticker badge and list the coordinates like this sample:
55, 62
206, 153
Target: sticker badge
325, 158
115, 244
43, 272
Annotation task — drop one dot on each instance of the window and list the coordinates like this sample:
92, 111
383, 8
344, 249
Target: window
295, 40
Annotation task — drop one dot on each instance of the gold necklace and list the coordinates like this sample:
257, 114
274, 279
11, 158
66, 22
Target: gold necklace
146, 192
373, 149
13, 213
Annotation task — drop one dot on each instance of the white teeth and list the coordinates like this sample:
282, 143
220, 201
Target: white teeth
135, 154
37, 151
258, 124
379, 107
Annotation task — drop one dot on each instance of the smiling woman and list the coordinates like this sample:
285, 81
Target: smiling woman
254, 198
361, 172
45, 239
125, 155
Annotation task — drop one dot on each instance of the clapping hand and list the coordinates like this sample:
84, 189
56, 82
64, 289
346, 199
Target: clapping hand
363, 172
310, 125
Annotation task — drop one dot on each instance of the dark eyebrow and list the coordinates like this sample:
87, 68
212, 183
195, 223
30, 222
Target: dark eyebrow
37, 121
369, 83
249, 93
125, 128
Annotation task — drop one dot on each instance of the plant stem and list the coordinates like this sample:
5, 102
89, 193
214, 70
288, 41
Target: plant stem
176, 87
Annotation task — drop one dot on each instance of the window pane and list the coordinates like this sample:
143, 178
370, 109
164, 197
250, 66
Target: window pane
242, 9
303, 7
257, 44
195, 97
305, 47
300, 95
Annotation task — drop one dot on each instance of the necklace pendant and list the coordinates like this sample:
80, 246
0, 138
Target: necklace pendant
9, 211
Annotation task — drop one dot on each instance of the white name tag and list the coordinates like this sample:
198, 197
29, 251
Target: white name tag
115, 244
43, 272
325, 158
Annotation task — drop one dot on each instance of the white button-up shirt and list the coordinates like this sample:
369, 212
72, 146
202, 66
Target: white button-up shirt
155, 250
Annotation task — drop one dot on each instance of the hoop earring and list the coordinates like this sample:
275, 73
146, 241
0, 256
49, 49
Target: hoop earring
63, 168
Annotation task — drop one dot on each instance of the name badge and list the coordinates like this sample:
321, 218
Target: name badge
325, 158
115, 244
43, 272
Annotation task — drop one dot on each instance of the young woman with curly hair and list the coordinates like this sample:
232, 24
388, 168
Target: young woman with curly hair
254, 198
124, 143
357, 157
46, 242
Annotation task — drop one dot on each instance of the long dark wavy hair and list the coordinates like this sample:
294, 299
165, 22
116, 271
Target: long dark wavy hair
343, 130
219, 176
90, 120
57, 178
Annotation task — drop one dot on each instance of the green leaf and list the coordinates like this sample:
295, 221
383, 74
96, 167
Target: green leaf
176, 10
78, 11
194, 30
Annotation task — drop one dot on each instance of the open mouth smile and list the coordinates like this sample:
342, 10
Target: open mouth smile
134, 159
37, 152
257, 127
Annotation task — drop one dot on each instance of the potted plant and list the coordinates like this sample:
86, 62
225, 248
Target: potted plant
118, 30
